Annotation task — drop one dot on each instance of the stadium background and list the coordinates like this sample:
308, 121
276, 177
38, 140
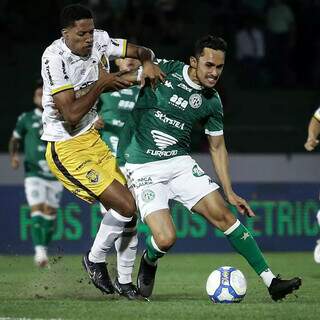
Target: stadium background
268, 101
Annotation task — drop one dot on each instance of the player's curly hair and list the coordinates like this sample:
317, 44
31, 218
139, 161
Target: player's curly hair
209, 41
72, 13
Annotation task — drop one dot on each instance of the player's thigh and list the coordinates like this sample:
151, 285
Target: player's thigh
84, 165
190, 183
118, 197
35, 190
54, 191
215, 210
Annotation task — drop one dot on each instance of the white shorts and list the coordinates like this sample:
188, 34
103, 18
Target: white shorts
179, 178
103, 210
40, 190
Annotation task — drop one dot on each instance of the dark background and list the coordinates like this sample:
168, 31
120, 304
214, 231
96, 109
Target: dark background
269, 94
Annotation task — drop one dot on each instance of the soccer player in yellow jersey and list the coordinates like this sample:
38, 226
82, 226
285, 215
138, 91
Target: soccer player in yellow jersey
310, 145
75, 71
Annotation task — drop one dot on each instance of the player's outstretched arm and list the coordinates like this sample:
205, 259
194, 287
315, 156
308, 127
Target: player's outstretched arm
313, 133
14, 145
151, 71
220, 159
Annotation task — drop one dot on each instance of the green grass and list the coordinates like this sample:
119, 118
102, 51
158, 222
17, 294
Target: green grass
64, 291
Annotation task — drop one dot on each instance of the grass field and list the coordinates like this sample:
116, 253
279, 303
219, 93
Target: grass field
64, 292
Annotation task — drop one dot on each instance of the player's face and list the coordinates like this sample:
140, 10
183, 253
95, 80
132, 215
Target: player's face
209, 67
79, 37
37, 97
128, 64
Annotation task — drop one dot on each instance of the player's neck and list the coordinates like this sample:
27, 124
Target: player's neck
192, 73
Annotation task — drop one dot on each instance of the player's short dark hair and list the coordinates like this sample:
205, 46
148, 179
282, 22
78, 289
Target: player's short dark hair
72, 13
209, 41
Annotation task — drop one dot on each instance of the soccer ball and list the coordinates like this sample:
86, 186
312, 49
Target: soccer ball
226, 285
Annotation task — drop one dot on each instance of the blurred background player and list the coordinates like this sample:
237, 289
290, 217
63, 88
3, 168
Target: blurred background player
43, 191
311, 143
114, 110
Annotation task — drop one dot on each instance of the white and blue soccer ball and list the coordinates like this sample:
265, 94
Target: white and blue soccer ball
226, 285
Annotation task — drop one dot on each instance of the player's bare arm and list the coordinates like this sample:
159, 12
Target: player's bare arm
151, 71
313, 133
14, 145
73, 109
220, 159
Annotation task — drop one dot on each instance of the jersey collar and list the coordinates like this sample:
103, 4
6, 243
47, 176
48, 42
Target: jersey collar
188, 80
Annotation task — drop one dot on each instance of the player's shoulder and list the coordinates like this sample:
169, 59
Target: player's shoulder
56, 50
169, 65
100, 37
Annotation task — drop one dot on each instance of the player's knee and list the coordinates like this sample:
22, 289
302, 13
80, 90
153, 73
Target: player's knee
165, 242
224, 220
129, 208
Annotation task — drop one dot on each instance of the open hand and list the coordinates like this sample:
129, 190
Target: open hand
152, 72
241, 204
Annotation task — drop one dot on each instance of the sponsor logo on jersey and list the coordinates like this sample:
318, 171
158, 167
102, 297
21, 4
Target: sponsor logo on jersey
168, 84
115, 43
178, 102
163, 140
117, 123
197, 171
162, 153
144, 181
195, 100
64, 70
49, 73
163, 117
184, 87
148, 195
92, 176
83, 164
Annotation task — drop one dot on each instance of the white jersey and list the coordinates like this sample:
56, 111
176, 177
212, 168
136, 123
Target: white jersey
62, 70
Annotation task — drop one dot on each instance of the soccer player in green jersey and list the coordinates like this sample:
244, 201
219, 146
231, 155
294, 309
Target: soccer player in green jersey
43, 191
159, 167
311, 143
115, 108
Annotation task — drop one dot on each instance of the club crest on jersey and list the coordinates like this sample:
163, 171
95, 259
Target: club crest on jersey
197, 171
195, 100
148, 195
163, 140
92, 176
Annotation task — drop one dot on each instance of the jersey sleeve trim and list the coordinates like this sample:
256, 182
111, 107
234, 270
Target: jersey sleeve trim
65, 87
124, 48
214, 133
16, 134
316, 117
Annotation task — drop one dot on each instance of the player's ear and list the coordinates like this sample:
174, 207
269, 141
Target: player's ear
64, 32
193, 62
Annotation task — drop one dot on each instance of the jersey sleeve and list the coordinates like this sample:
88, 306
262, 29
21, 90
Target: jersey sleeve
214, 125
55, 74
317, 114
114, 48
20, 128
168, 66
